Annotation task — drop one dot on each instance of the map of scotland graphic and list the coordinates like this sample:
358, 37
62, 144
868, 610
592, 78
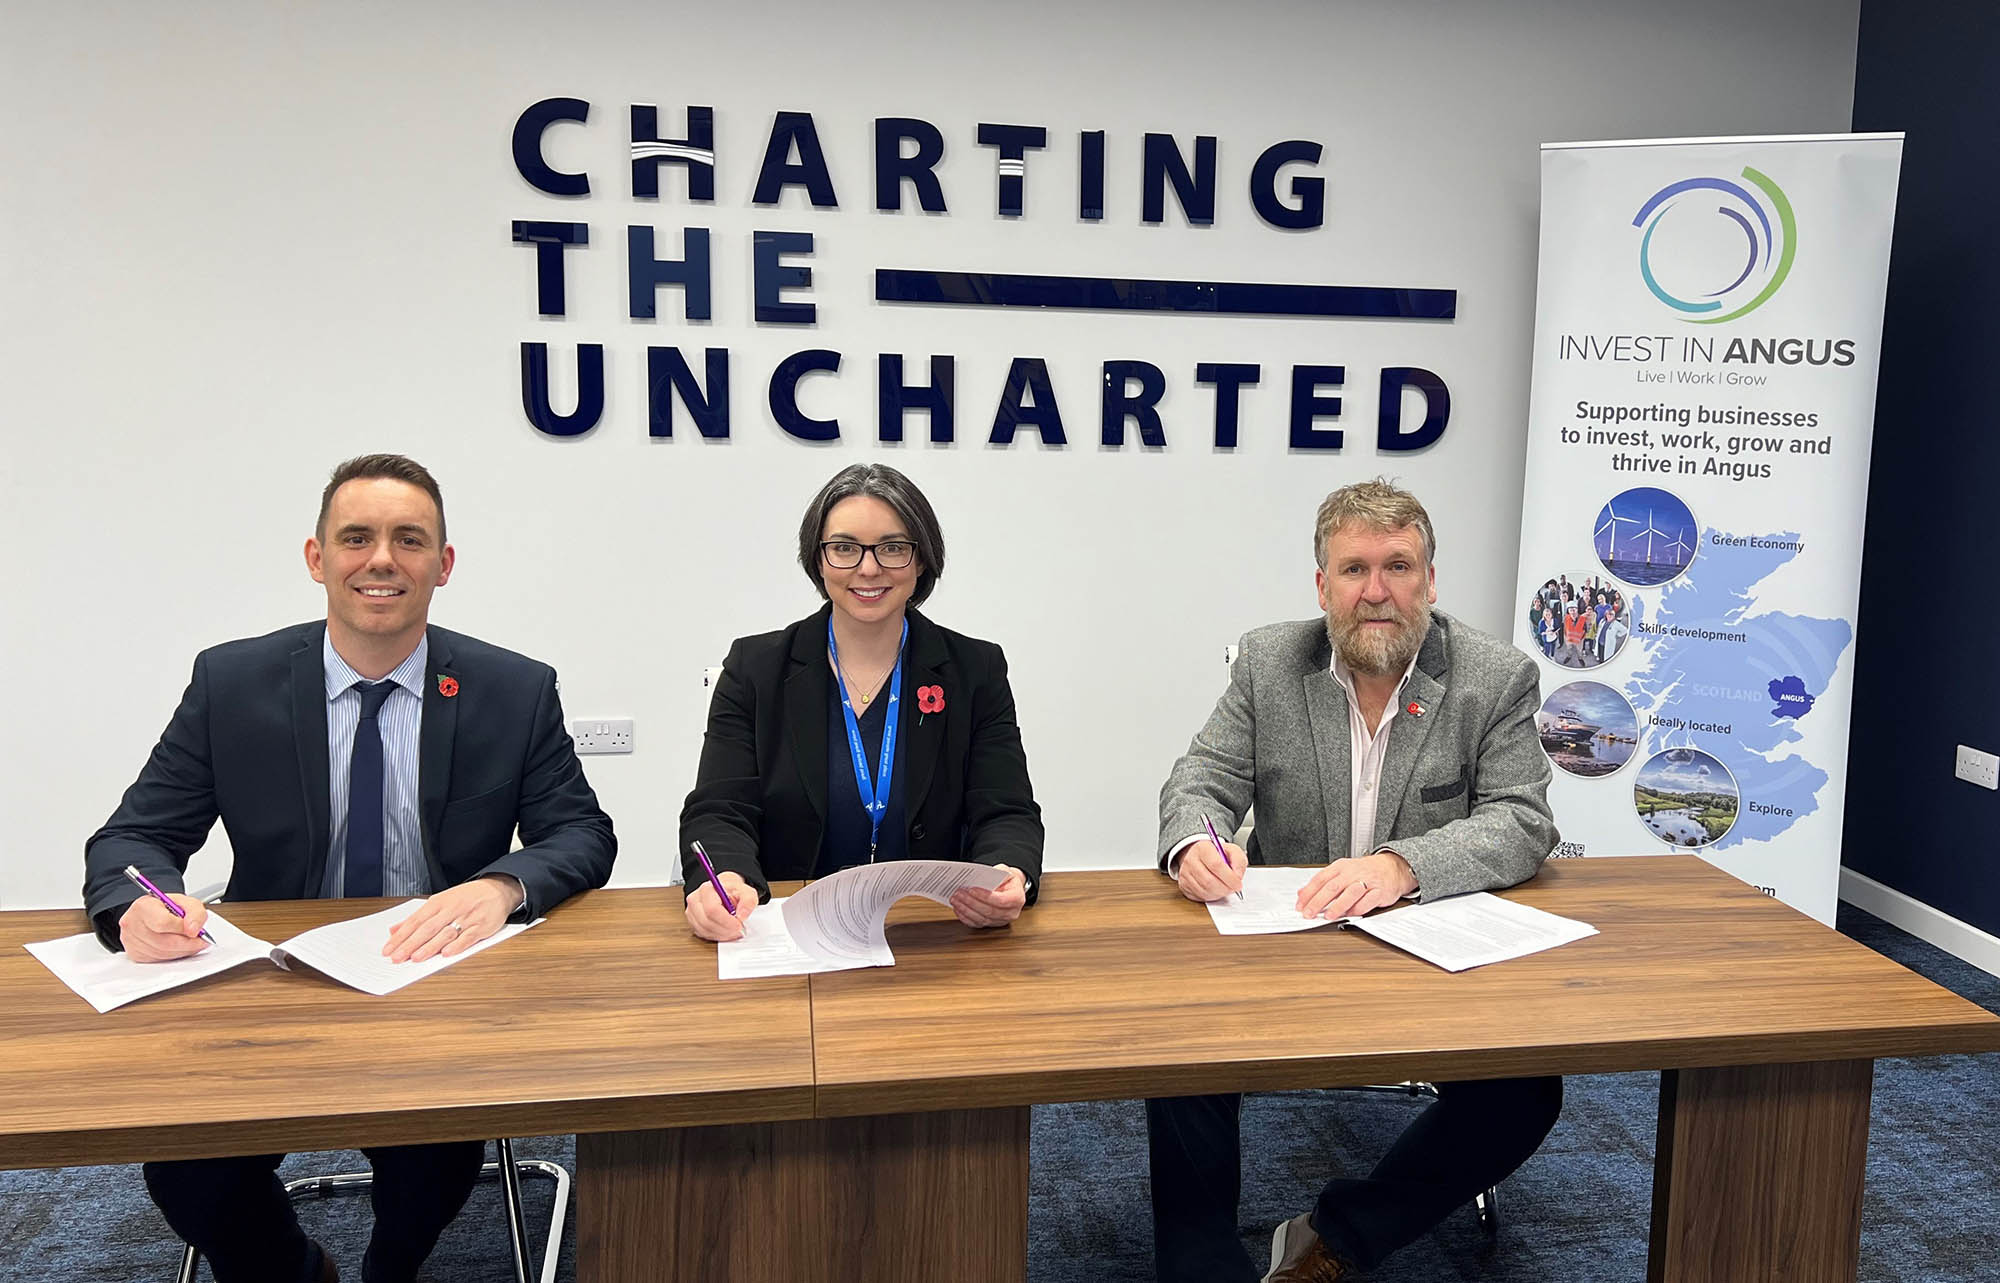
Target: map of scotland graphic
1710, 659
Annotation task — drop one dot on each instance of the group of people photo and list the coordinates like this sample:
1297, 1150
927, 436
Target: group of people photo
1579, 625
372, 753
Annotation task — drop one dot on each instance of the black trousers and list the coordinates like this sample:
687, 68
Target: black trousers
235, 1211
1470, 1138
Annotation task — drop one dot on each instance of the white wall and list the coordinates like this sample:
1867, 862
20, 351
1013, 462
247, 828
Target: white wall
243, 241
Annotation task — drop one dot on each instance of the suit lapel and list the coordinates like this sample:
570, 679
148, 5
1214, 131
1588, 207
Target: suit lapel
1326, 717
1409, 731
308, 681
927, 665
806, 685
435, 740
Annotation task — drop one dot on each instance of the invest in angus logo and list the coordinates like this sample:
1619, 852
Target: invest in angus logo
1715, 249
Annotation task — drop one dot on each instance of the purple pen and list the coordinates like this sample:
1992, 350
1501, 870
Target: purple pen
702, 855
1220, 849
161, 896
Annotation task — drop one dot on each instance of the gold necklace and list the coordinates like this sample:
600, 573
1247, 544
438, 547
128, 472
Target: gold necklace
849, 679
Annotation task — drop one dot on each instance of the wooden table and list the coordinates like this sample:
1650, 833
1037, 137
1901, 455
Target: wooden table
1765, 1023
873, 1124
606, 1016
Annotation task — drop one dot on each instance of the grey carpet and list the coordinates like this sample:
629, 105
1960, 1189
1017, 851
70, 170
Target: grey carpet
1577, 1211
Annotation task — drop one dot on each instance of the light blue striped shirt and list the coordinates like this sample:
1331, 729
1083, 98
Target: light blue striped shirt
404, 871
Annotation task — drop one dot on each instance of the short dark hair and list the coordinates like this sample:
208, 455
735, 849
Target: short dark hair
393, 467
875, 481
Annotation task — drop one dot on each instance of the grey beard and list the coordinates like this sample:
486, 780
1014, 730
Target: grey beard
1373, 656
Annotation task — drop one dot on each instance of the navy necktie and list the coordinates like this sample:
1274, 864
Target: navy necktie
364, 795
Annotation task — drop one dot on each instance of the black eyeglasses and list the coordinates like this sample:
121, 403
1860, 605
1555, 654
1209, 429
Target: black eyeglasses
845, 554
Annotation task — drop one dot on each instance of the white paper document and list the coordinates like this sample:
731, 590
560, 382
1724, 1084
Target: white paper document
107, 980
843, 916
350, 952
1456, 934
767, 949
1471, 930
1269, 903
837, 923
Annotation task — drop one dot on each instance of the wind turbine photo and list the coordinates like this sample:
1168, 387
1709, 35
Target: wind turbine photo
1651, 550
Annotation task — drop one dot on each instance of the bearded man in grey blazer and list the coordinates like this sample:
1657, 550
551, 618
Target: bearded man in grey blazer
1396, 746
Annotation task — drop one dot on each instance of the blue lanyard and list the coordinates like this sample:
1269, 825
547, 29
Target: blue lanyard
875, 792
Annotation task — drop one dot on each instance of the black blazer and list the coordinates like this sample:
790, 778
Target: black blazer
759, 800
248, 745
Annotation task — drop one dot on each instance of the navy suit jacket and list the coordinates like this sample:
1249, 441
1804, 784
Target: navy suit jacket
759, 800
248, 745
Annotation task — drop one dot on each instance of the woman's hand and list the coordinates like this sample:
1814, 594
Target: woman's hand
708, 919
978, 907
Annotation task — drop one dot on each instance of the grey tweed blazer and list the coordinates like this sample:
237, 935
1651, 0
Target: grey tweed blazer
1464, 787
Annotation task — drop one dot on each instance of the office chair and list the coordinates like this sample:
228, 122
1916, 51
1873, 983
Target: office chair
506, 1169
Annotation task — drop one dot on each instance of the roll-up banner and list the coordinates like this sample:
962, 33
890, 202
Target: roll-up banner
1707, 333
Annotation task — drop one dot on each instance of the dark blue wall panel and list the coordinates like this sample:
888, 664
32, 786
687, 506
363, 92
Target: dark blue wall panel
1929, 637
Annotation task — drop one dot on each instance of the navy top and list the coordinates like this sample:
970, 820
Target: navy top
844, 841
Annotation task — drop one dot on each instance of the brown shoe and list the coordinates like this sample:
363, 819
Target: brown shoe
1298, 1255
328, 1272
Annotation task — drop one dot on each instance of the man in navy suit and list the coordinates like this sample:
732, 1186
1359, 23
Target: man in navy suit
370, 755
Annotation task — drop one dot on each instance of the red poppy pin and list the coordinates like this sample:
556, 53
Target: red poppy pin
1415, 709
447, 686
930, 699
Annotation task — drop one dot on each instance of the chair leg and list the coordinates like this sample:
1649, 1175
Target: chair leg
509, 1170
558, 1175
517, 1221
1414, 1090
1488, 1204
190, 1261
337, 1185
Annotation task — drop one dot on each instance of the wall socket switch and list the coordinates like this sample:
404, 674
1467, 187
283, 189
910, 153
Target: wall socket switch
1978, 768
602, 734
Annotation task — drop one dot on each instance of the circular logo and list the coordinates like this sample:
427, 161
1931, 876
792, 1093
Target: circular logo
1715, 249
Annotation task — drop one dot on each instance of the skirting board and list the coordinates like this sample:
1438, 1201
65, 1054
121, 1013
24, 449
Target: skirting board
1959, 939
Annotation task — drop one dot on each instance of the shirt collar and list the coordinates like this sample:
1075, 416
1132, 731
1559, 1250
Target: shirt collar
409, 674
1345, 675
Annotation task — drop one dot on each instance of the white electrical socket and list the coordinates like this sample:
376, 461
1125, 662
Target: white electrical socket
1978, 768
602, 734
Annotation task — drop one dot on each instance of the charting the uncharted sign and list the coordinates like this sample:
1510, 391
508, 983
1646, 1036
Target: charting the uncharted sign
1708, 331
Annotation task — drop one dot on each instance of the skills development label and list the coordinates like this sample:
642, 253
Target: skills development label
1708, 330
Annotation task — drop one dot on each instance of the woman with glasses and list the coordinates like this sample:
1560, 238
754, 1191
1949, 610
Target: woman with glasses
801, 775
